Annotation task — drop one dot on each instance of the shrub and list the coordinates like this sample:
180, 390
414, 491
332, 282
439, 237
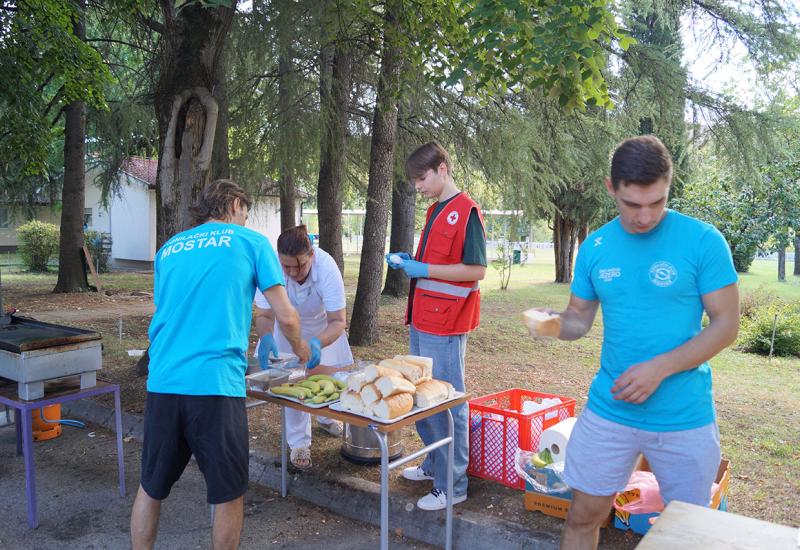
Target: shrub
38, 242
755, 333
99, 254
750, 302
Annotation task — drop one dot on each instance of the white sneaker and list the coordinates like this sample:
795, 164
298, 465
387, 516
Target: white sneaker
437, 500
334, 428
416, 473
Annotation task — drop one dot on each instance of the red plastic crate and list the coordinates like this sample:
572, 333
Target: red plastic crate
497, 426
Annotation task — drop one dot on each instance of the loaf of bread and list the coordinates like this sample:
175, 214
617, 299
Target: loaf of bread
392, 385
356, 381
412, 372
370, 394
425, 362
351, 400
541, 323
393, 406
373, 372
433, 392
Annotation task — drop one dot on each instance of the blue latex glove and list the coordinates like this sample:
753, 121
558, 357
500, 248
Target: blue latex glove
403, 256
316, 353
414, 269
266, 346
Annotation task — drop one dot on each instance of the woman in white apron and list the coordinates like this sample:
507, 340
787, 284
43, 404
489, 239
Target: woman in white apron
315, 288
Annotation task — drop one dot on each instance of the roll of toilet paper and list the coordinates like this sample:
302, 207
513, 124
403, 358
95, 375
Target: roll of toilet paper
556, 439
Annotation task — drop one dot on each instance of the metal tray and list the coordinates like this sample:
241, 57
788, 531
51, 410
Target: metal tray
265, 379
336, 406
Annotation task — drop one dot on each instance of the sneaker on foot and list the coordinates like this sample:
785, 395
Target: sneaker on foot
437, 500
416, 473
334, 428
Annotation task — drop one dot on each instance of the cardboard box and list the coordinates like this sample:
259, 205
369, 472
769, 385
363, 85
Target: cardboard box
640, 523
556, 505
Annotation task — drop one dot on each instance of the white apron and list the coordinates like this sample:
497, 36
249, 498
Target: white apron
307, 300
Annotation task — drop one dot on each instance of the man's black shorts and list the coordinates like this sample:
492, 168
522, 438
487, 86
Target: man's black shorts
212, 427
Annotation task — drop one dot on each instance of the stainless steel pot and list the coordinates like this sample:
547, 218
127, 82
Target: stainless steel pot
359, 445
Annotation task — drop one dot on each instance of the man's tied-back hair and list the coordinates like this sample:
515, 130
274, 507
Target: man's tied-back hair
216, 201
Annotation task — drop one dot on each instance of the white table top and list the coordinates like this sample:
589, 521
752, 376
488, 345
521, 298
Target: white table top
691, 527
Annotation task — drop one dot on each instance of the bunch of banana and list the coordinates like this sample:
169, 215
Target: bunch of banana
316, 389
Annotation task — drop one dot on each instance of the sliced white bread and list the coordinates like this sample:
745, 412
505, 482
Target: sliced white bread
392, 385
432, 393
356, 381
370, 394
413, 373
393, 406
425, 362
351, 400
374, 372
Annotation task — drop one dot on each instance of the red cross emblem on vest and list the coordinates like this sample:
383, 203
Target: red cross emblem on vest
452, 217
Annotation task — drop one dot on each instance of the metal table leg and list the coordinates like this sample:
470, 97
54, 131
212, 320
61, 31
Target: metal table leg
30, 475
284, 476
120, 456
382, 442
450, 459
18, 428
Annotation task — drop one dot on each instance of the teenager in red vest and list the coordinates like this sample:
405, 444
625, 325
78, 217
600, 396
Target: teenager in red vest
443, 307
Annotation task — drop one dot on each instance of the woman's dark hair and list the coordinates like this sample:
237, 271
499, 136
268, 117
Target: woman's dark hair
641, 160
216, 201
294, 241
426, 157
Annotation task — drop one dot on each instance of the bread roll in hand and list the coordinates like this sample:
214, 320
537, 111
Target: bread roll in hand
542, 324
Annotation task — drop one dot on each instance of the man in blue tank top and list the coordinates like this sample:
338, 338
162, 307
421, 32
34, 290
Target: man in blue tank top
204, 283
654, 271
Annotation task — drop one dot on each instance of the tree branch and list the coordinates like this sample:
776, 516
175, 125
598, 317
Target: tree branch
115, 41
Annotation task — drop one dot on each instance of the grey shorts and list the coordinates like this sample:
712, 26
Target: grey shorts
602, 454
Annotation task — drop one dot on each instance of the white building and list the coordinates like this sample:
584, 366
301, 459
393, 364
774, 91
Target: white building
130, 215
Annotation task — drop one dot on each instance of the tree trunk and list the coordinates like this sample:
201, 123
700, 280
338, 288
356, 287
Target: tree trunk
583, 232
364, 326
797, 252
782, 263
71, 272
565, 234
401, 239
187, 110
220, 158
285, 119
334, 94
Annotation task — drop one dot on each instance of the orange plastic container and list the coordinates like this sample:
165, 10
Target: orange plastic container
42, 431
497, 427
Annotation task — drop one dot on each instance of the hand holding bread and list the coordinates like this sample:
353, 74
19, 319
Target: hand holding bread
542, 323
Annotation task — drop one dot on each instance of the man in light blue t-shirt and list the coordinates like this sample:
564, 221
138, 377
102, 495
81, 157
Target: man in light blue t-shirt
654, 271
204, 283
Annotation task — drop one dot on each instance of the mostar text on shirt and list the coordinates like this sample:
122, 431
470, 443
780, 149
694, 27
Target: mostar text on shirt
199, 240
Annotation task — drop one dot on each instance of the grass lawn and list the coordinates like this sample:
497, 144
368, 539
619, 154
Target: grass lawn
759, 413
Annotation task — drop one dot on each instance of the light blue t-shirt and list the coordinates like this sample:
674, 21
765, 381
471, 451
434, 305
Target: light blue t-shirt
650, 288
204, 283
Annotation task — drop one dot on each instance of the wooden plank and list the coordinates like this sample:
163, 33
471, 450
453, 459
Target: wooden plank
355, 419
691, 527
95, 276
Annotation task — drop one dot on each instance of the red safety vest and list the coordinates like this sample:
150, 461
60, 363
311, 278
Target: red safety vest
445, 307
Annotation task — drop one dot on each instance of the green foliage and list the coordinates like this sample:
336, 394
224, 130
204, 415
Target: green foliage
45, 66
38, 243
558, 47
755, 334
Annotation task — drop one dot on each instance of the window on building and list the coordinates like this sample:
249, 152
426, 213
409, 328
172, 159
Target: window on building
87, 217
5, 219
